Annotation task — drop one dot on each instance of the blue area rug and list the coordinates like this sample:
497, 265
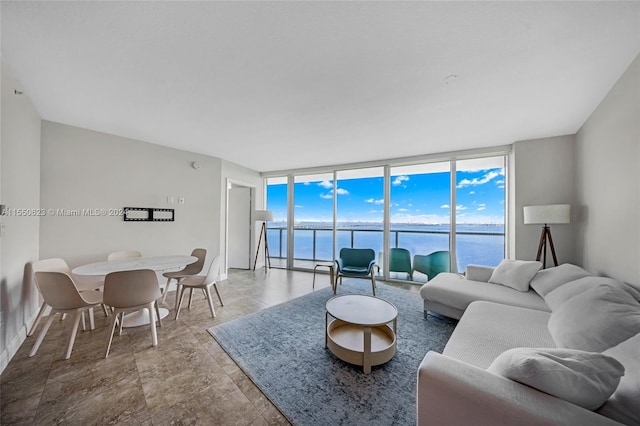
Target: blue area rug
281, 349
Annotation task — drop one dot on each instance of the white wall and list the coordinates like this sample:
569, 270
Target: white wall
19, 188
542, 173
83, 169
608, 189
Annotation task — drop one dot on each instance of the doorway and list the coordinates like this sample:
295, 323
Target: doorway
239, 226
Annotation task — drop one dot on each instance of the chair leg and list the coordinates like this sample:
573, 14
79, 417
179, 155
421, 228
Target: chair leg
158, 312
179, 301
84, 325
72, 335
166, 290
178, 288
207, 292
373, 283
190, 297
106, 311
35, 323
121, 322
215, 287
114, 321
152, 321
43, 332
92, 323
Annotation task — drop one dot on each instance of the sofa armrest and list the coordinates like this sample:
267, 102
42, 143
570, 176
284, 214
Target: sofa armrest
479, 273
453, 392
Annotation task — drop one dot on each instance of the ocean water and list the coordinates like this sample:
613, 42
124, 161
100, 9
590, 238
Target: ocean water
475, 244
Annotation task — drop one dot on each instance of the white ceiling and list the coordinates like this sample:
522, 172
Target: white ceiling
282, 85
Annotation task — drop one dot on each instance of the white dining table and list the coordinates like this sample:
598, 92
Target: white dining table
155, 263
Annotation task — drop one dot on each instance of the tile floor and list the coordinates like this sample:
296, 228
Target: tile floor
186, 379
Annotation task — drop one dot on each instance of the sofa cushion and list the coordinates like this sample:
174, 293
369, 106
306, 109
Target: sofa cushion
515, 273
583, 378
547, 280
565, 292
596, 319
488, 329
479, 273
624, 405
453, 290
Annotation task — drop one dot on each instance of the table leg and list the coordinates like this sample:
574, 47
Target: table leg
366, 356
326, 330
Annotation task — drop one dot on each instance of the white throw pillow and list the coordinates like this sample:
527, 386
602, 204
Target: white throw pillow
583, 378
565, 292
595, 320
624, 404
547, 280
515, 273
479, 273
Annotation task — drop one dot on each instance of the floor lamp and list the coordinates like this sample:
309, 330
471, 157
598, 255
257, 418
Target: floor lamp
263, 216
545, 215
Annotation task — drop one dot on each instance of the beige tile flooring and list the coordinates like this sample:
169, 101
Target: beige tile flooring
186, 379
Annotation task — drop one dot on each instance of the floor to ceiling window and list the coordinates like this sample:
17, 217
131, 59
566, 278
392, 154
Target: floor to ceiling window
360, 213
480, 211
277, 230
420, 218
441, 216
313, 219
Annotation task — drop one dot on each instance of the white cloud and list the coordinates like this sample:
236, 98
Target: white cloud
399, 179
460, 207
329, 195
472, 192
326, 184
297, 206
478, 181
403, 210
445, 206
374, 201
481, 208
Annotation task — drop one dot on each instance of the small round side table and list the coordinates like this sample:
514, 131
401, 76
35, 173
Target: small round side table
328, 265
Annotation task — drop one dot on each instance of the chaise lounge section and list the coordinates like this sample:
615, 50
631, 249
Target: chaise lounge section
588, 320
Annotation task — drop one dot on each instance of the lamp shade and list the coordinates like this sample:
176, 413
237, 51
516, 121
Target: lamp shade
263, 216
546, 214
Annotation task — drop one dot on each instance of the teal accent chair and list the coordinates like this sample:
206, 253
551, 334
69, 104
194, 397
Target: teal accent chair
400, 261
432, 264
356, 263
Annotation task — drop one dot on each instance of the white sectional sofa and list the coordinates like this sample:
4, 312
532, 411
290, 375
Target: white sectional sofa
478, 379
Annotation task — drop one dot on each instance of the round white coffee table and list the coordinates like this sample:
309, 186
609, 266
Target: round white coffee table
360, 333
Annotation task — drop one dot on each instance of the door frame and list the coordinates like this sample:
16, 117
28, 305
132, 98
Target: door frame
252, 206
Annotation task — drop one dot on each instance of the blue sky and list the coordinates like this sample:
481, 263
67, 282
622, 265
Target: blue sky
415, 198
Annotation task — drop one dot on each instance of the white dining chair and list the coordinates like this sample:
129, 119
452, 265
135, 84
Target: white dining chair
188, 271
59, 265
128, 291
60, 292
202, 282
124, 254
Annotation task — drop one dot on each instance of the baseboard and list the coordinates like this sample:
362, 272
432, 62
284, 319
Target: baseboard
12, 348
15, 343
